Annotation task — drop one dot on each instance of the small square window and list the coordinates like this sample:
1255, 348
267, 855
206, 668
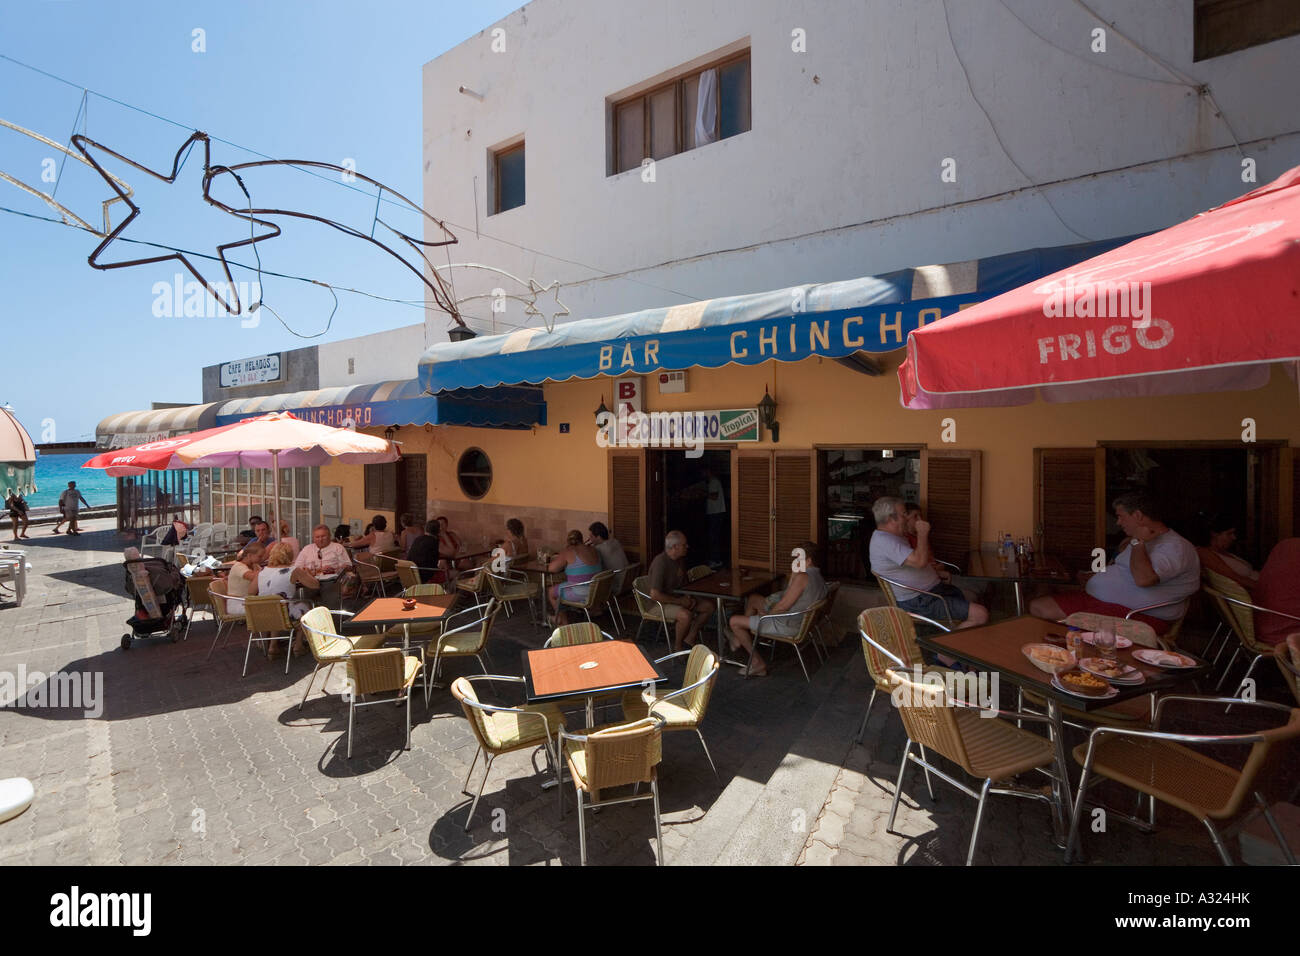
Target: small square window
508, 178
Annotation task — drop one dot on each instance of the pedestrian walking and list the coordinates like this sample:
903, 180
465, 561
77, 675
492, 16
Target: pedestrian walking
70, 503
18, 512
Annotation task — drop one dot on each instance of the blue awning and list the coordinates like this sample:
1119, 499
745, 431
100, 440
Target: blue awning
398, 403
833, 319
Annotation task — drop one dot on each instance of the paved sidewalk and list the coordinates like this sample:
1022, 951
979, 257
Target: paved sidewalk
187, 763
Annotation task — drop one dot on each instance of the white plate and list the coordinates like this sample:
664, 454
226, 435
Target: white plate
1121, 643
1110, 691
1131, 676
1164, 659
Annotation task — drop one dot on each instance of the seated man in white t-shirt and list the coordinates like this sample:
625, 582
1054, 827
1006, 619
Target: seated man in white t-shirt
894, 559
323, 555
1155, 566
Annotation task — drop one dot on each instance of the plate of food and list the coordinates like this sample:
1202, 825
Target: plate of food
1121, 643
1167, 659
1113, 671
1048, 658
1082, 684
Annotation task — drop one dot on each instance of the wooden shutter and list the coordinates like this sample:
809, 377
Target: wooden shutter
626, 470
792, 480
381, 487
751, 497
950, 482
412, 487
1070, 503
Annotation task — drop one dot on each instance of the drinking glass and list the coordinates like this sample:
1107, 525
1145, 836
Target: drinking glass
1104, 641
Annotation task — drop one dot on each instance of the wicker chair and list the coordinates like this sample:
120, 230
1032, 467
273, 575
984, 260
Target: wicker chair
805, 619
1139, 632
598, 588
987, 749
888, 642
511, 586
684, 708
475, 583
1173, 769
464, 640
503, 730
649, 608
327, 645
382, 670
408, 575
615, 756
267, 618
217, 591
1239, 612
1288, 662
197, 586
584, 632
623, 578
887, 587
828, 607
371, 573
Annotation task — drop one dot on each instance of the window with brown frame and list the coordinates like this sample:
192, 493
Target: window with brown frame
508, 178
381, 487
693, 110
1225, 26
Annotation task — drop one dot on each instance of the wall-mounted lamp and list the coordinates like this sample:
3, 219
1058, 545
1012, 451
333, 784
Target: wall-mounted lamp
767, 415
601, 411
390, 433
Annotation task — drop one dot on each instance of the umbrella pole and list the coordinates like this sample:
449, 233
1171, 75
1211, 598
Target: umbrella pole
275, 478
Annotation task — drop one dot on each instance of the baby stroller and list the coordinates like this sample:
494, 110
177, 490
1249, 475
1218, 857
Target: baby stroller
159, 591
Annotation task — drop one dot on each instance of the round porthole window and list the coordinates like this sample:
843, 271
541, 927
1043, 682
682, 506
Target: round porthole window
474, 472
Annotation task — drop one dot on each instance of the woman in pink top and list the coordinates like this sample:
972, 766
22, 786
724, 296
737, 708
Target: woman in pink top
1277, 591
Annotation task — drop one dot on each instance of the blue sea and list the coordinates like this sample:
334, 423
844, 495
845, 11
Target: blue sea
53, 472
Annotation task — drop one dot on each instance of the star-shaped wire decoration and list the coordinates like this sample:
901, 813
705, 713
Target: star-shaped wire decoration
84, 144
530, 303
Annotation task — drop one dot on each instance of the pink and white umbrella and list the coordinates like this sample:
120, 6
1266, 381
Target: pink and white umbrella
274, 440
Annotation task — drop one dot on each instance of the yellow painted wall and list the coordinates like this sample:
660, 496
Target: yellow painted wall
821, 402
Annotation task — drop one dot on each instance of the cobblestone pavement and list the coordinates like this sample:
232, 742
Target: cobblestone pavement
189, 764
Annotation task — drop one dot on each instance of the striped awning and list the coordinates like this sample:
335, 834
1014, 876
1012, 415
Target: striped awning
832, 319
126, 429
362, 406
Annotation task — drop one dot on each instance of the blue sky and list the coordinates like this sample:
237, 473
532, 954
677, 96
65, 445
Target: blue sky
325, 80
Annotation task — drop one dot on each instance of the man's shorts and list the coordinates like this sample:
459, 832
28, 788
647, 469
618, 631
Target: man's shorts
1071, 601
930, 606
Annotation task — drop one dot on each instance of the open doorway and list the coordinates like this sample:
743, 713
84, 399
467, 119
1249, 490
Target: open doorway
695, 498
850, 479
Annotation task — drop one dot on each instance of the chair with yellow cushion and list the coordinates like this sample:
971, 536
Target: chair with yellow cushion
1175, 769
327, 645
380, 671
502, 730
510, 586
465, 640
616, 756
584, 632
888, 643
197, 585
408, 575
475, 583
684, 708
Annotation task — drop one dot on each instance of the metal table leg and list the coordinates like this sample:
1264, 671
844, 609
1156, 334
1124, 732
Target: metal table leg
1061, 782
1020, 601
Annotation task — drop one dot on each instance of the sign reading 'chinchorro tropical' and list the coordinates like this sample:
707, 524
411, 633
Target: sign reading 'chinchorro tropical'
251, 371
688, 430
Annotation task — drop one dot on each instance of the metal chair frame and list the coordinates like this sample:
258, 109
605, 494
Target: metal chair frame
599, 580
596, 803
266, 636
486, 618
644, 596
1241, 643
710, 676
794, 640
985, 789
403, 694
887, 585
551, 754
1205, 739
337, 635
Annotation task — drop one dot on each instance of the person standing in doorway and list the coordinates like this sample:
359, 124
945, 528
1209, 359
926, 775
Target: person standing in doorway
70, 503
715, 509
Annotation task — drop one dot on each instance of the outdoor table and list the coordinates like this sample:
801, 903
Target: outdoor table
995, 648
986, 566
726, 584
386, 611
553, 674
